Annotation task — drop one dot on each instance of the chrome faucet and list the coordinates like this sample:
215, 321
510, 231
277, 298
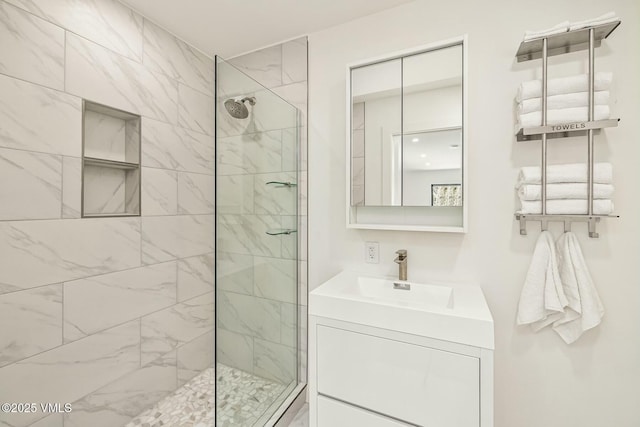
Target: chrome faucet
401, 260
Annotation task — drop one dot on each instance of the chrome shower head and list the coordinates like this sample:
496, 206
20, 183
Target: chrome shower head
237, 109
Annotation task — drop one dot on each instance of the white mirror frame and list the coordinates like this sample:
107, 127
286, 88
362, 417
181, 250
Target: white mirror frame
406, 218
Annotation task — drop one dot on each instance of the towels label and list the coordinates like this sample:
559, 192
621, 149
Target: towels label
569, 126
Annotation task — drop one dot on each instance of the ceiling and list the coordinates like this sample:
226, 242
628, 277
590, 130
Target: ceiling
231, 27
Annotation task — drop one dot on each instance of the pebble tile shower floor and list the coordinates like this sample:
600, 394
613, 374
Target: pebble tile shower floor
242, 399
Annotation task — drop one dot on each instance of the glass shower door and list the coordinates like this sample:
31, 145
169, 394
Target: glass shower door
256, 249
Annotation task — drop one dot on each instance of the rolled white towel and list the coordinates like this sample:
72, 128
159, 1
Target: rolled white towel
571, 172
600, 20
571, 84
564, 115
565, 100
567, 207
569, 190
562, 27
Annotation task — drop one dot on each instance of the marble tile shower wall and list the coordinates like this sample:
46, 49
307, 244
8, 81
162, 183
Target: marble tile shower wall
357, 155
258, 307
108, 314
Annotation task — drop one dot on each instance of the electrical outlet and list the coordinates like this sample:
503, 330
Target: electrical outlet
371, 252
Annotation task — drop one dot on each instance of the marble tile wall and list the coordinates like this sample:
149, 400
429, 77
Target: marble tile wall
22, 310
259, 305
195, 276
357, 155
104, 136
96, 73
105, 190
70, 372
108, 314
72, 187
176, 326
55, 132
116, 403
105, 22
46, 186
194, 357
89, 303
32, 49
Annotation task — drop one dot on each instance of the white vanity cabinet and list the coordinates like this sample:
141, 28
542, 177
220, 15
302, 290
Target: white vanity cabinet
371, 376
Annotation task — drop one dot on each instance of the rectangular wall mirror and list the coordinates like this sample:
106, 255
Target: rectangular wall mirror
407, 138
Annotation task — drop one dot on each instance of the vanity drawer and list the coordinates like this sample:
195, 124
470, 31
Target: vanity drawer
332, 413
416, 384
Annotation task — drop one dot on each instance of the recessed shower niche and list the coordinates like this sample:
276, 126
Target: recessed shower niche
110, 162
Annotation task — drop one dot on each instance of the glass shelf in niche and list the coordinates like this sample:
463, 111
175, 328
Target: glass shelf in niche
111, 162
280, 231
91, 161
279, 184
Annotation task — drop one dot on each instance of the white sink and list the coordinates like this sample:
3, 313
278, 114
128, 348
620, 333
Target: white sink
415, 295
457, 313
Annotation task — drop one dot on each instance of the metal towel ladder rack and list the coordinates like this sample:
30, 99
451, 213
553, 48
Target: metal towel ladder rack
571, 41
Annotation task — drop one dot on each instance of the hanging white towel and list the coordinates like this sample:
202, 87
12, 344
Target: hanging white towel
570, 172
542, 300
600, 20
565, 100
563, 115
586, 307
558, 86
567, 207
568, 190
562, 27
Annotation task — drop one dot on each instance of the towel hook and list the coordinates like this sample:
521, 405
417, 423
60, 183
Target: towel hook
523, 224
567, 226
592, 227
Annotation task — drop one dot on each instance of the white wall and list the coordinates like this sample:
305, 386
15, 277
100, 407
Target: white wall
540, 381
417, 184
